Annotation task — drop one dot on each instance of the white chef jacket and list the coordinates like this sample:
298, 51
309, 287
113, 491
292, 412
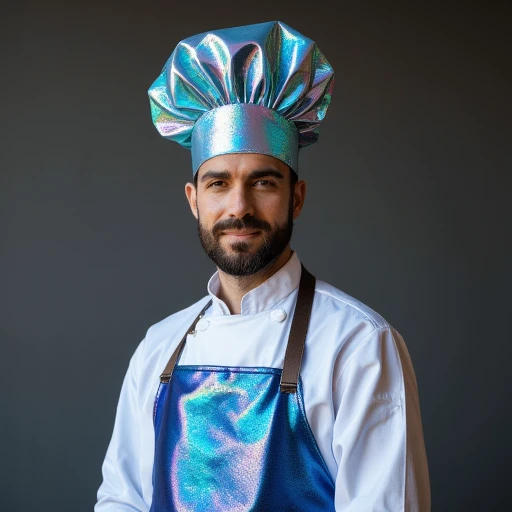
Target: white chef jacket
360, 392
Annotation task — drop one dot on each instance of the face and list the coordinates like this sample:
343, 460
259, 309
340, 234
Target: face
245, 208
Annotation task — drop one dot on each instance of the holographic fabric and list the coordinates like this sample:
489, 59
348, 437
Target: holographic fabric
228, 440
269, 65
248, 129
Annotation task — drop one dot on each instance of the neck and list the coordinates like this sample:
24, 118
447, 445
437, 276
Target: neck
233, 288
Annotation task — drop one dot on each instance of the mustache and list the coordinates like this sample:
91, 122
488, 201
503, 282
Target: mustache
247, 222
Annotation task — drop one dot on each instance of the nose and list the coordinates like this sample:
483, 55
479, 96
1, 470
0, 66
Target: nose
239, 202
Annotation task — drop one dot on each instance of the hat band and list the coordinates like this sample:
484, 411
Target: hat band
244, 128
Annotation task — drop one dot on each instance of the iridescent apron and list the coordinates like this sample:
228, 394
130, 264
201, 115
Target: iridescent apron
237, 439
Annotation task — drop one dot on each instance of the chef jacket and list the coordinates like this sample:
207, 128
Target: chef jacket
359, 388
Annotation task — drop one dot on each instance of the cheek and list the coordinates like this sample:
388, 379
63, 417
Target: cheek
275, 210
209, 209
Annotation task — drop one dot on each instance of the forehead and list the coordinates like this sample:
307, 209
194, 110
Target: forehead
241, 164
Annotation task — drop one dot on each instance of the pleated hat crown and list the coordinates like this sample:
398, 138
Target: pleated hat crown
262, 88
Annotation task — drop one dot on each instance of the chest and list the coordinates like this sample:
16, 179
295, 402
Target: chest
258, 341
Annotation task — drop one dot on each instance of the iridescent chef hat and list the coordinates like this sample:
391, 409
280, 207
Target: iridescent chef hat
261, 88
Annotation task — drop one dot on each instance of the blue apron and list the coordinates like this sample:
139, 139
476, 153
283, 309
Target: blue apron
237, 439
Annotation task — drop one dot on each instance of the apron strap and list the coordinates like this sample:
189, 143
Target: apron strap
167, 373
298, 331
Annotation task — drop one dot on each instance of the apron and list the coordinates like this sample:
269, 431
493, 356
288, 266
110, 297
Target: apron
237, 439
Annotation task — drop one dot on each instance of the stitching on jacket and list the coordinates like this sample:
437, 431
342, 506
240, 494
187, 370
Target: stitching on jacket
349, 304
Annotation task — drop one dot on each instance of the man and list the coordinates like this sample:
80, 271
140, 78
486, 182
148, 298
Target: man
276, 392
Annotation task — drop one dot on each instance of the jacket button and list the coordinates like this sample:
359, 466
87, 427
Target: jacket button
278, 315
202, 325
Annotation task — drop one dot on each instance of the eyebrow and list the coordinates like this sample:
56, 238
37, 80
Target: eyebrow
220, 175
261, 173
257, 173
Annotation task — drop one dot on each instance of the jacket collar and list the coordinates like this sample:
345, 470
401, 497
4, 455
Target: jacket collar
266, 295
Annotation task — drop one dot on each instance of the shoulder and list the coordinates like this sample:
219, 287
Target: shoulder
337, 302
159, 343
343, 325
357, 338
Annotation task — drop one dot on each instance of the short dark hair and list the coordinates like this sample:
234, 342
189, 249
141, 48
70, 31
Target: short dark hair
294, 177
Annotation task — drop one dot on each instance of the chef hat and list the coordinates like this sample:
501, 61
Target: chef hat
261, 88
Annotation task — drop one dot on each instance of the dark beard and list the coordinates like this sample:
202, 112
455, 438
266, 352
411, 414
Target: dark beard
243, 263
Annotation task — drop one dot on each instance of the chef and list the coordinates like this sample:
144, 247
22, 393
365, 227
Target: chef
276, 391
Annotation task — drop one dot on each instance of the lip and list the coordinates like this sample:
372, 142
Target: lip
241, 233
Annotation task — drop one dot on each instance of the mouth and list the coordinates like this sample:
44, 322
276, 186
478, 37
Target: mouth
241, 234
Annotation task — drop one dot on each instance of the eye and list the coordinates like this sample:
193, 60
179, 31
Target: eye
217, 184
263, 183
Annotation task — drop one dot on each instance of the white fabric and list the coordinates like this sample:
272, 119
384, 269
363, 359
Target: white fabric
359, 386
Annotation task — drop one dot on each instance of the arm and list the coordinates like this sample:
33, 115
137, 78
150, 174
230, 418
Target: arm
121, 489
378, 438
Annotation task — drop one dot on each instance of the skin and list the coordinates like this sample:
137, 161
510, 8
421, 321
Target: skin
240, 184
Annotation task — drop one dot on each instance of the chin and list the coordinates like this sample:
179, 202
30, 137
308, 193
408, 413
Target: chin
242, 248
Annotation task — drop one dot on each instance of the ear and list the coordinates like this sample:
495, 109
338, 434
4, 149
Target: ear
299, 196
191, 193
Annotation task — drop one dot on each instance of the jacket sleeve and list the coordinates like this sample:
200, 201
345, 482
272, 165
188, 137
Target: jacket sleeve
121, 488
378, 438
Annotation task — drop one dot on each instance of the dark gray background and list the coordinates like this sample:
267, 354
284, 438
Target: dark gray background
407, 210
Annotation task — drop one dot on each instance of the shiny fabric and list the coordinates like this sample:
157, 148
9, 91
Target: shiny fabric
244, 128
269, 65
228, 440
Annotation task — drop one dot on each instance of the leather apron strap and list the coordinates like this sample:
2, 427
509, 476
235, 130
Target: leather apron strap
296, 338
298, 331
167, 373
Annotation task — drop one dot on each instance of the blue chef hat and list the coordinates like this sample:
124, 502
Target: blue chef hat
261, 88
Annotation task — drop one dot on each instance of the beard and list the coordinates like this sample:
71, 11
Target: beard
240, 261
